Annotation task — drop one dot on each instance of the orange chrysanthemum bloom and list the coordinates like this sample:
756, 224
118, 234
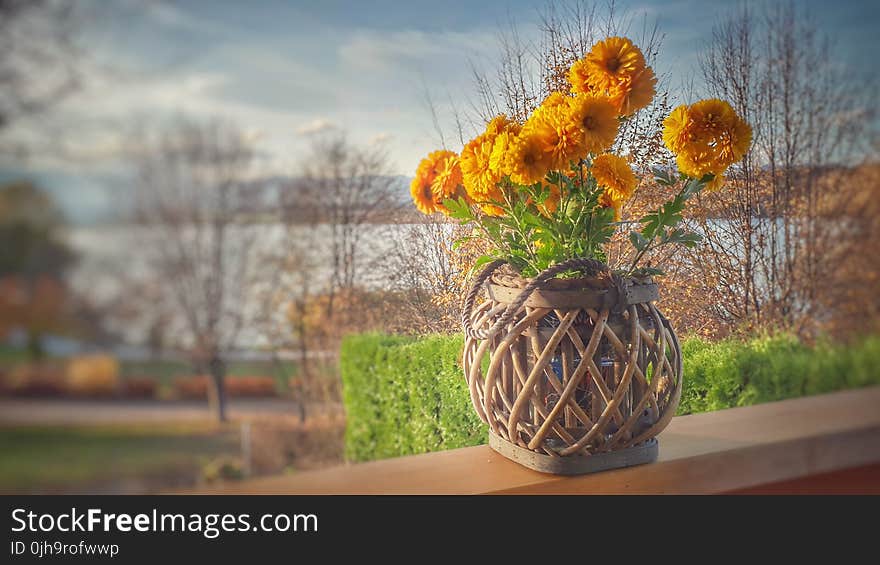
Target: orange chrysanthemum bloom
635, 93
712, 115
696, 161
499, 160
560, 137
612, 61
499, 123
422, 195
707, 136
720, 128
614, 175
528, 161
554, 100
437, 178
492, 210
615, 68
678, 130
579, 77
480, 181
596, 117
448, 180
734, 142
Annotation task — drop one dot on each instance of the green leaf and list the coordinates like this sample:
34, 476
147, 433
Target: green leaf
534, 220
678, 235
459, 209
479, 263
691, 239
638, 240
652, 225
663, 176
693, 186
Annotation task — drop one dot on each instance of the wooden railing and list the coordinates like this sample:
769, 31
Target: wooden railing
826, 443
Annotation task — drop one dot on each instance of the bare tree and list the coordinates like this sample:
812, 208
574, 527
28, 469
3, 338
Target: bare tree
38, 54
770, 243
349, 191
331, 221
192, 192
285, 293
428, 275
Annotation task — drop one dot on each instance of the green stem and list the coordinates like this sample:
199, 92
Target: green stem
639, 256
519, 231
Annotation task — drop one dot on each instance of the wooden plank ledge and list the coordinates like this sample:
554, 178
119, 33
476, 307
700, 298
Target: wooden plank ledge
715, 452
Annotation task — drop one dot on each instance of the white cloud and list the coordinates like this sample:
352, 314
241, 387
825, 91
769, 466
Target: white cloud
380, 138
371, 86
317, 125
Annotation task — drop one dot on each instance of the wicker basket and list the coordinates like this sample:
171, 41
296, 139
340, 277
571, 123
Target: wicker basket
571, 375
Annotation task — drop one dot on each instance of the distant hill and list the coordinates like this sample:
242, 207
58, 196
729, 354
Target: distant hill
270, 198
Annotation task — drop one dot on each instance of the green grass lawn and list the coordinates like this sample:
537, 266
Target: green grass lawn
11, 356
47, 459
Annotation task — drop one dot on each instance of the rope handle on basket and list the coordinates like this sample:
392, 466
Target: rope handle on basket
592, 266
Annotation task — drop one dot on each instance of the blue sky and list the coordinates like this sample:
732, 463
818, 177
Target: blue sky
282, 69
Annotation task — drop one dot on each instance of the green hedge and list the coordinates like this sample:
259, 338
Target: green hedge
407, 395
736, 373
404, 396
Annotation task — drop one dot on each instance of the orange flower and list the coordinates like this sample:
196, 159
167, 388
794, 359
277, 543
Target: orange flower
500, 123
735, 141
678, 129
615, 68
711, 116
614, 175
596, 117
528, 161
448, 180
579, 77
422, 195
696, 162
491, 210
633, 94
554, 100
613, 61
480, 181
560, 137
707, 137
499, 160
438, 177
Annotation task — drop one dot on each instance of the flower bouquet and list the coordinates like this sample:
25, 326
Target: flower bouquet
568, 360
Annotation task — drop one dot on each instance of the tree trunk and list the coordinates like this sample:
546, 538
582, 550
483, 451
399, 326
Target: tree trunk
305, 376
217, 369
